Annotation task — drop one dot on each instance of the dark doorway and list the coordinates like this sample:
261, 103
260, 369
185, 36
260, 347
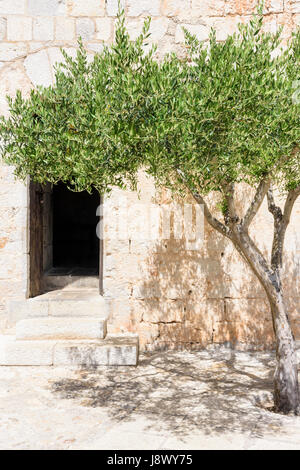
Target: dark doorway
75, 242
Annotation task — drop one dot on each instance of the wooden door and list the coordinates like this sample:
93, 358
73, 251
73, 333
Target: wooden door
35, 239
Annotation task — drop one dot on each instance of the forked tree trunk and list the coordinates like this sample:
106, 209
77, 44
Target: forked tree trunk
286, 387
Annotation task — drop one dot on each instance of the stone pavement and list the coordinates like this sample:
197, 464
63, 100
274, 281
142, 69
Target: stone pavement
172, 400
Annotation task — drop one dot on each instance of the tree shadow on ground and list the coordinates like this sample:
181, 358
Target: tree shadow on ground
210, 392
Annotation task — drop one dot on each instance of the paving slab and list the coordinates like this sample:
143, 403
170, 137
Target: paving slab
170, 400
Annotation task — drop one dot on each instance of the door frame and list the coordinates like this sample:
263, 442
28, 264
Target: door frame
35, 239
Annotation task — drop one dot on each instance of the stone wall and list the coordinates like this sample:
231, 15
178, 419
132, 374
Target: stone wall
170, 295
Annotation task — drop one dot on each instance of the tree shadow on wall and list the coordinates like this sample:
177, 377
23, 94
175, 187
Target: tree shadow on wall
192, 298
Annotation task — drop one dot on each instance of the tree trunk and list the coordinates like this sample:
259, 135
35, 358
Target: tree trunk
286, 387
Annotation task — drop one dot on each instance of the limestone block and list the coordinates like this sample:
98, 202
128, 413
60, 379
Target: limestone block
295, 6
76, 308
116, 246
224, 26
38, 68
138, 7
64, 29
61, 328
178, 333
46, 8
174, 7
12, 78
256, 310
255, 333
146, 290
11, 195
43, 29
114, 350
19, 28
12, 7
274, 6
86, 7
205, 312
148, 335
95, 47
200, 31
158, 28
35, 46
114, 288
103, 28
112, 7
240, 8
25, 353
20, 309
208, 7
85, 28
161, 311
2, 28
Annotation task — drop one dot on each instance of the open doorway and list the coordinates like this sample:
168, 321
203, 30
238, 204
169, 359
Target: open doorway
75, 242
63, 242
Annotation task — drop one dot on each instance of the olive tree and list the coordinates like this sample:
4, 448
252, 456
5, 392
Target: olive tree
227, 115
222, 115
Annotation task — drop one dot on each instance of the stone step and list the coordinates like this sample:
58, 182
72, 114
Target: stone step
114, 350
61, 328
60, 303
70, 282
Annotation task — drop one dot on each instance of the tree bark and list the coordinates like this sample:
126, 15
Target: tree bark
286, 386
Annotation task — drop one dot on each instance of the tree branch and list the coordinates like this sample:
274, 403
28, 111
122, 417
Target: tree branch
281, 222
261, 191
213, 221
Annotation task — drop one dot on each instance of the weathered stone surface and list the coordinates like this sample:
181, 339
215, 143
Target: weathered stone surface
295, 7
158, 28
64, 29
103, 28
38, 68
112, 6
46, 8
174, 7
113, 351
43, 29
61, 328
224, 26
138, 7
208, 7
85, 28
12, 7
12, 78
24, 353
96, 47
19, 28
2, 28
87, 7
